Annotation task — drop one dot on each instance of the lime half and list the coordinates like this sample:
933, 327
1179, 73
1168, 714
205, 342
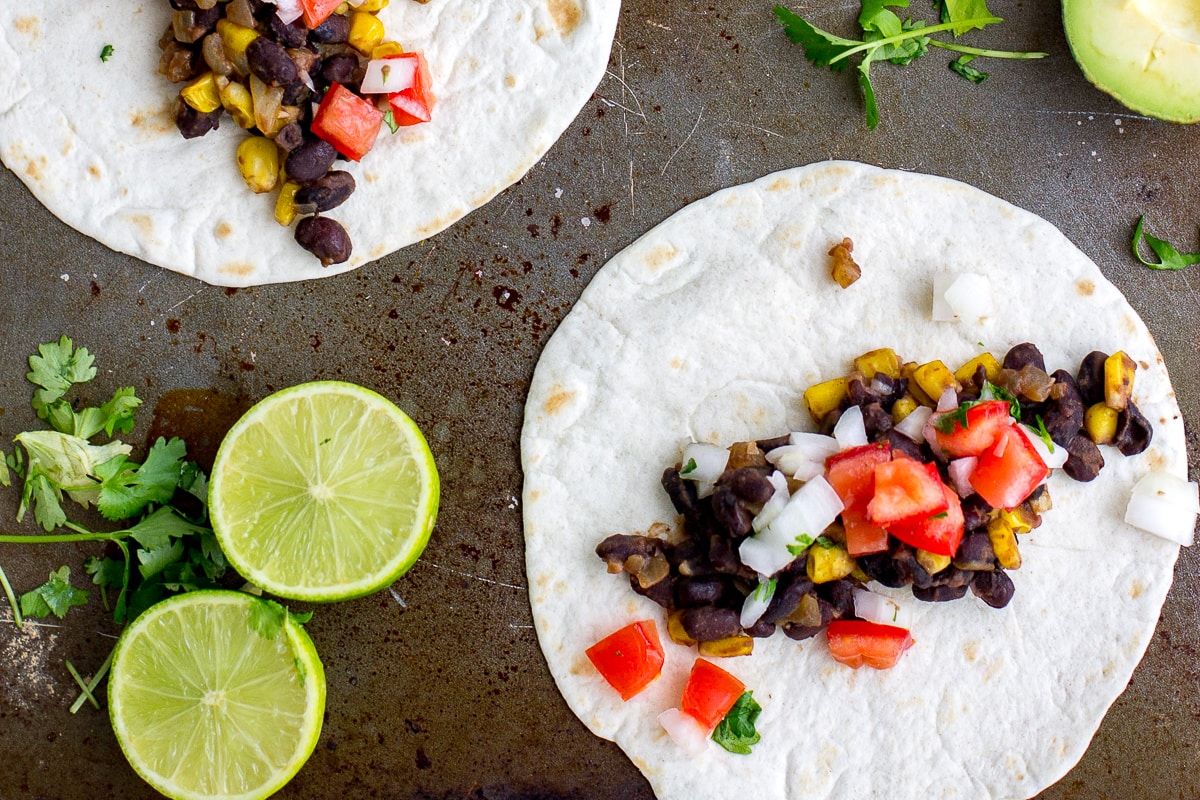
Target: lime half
324, 491
216, 694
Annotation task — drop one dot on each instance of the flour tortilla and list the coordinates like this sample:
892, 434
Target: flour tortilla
709, 328
96, 143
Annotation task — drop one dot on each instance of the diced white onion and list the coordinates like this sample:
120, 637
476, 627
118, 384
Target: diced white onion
763, 556
684, 730
875, 607
772, 507
811, 510
288, 11
804, 457
1164, 505
966, 296
960, 470
880, 386
913, 426
389, 75
948, 401
757, 602
1052, 459
710, 461
929, 435
850, 430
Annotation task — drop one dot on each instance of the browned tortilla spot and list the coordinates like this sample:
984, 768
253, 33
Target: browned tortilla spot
779, 185
160, 121
143, 223
30, 26
660, 257
439, 223
223, 230
676, 363
510, 81
566, 14
34, 168
534, 495
1085, 287
1136, 590
238, 268
556, 401
94, 171
971, 650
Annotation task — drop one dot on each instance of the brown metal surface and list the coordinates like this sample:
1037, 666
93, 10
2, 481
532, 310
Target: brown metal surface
439, 690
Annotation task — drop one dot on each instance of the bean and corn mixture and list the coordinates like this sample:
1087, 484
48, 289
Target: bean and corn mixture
699, 578
296, 90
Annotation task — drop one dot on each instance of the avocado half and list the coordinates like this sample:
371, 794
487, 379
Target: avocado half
1145, 53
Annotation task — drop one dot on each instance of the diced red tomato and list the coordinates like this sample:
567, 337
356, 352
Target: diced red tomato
710, 693
1008, 471
414, 105
906, 490
940, 533
314, 12
347, 121
985, 421
629, 659
855, 642
851, 473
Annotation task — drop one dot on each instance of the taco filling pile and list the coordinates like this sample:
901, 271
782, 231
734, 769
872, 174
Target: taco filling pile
897, 487
311, 80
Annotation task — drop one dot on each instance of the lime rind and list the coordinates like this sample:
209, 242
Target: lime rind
205, 707
323, 491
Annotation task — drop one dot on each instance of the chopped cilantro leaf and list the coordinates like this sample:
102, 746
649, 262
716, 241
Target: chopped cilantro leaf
1168, 257
961, 66
991, 391
957, 418
688, 468
127, 488
802, 543
106, 52
56, 368
389, 119
56, 596
1044, 434
825, 542
736, 732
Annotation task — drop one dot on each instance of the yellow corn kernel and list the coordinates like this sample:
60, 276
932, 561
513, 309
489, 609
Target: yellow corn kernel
1019, 519
908, 370
366, 31
202, 93
1004, 543
823, 398
1100, 423
828, 563
934, 378
882, 360
903, 407
740, 645
237, 101
675, 629
258, 161
236, 39
385, 49
372, 5
986, 360
932, 562
1118, 380
342, 8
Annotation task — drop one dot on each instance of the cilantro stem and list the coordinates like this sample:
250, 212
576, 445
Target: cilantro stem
91, 685
87, 690
60, 538
911, 34
12, 600
975, 51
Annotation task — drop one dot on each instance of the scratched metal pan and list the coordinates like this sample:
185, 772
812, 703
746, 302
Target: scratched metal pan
437, 688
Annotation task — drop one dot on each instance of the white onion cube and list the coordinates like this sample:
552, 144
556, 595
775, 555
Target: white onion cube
1166, 506
703, 463
850, 430
684, 730
389, 75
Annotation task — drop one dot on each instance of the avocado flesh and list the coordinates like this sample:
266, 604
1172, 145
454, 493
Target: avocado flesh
1145, 53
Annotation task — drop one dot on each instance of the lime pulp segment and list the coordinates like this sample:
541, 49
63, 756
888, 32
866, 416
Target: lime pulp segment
323, 491
205, 706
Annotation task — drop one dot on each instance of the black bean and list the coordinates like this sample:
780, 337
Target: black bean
329, 191
339, 68
975, 512
723, 556
288, 34
696, 592
975, 553
616, 549
1084, 460
994, 588
1063, 416
290, 136
296, 94
309, 161
1133, 431
939, 594
787, 598
1090, 377
270, 62
662, 592
761, 630
1022, 354
335, 29
860, 393
954, 577
902, 444
911, 570
193, 123
709, 623
324, 238
880, 567
767, 445
751, 484
877, 422
840, 594
731, 516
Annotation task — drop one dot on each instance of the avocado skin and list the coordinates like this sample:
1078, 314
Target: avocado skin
1145, 53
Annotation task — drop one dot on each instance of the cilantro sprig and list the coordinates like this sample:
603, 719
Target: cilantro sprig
1169, 258
885, 37
736, 731
159, 503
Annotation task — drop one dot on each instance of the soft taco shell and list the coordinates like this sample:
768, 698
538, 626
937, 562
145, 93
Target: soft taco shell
96, 143
709, 328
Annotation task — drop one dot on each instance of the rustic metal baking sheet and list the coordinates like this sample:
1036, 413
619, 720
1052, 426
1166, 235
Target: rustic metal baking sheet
437, 688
